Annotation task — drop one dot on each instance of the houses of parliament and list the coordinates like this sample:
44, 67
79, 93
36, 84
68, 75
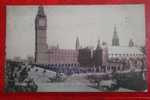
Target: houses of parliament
78, 56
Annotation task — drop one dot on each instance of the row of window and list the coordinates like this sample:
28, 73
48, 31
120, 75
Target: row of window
59, 59
63, 56
113, 68
63, 53
63, 65
126, 54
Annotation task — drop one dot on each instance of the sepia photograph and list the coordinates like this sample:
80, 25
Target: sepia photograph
76, 48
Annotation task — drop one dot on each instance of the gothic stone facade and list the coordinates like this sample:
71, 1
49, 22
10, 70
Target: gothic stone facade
44, 55
85, 57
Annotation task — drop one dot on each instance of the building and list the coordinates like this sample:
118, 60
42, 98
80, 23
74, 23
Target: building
104, 53
97, 55
54, 55
85, 57
41, 47
124, 52
68, 57
79, 56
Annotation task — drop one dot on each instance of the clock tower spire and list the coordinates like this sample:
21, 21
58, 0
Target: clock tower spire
41, 11
41, 48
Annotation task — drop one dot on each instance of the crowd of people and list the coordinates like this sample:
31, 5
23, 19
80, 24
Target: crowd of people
17, 78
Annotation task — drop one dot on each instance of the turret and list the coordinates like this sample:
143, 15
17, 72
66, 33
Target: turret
115, 39
131, 43
77, 43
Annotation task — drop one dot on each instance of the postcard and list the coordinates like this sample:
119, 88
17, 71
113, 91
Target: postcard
76, 48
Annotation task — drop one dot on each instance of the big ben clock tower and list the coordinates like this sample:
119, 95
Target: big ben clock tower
41, 48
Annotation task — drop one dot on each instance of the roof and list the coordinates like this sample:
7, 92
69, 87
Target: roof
124, 50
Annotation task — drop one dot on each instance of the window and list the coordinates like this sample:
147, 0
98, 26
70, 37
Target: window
108, 67
112, 67
118, 67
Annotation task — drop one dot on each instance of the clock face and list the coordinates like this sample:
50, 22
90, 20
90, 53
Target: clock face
42, 22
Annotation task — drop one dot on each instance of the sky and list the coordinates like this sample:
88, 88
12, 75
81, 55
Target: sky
67, 22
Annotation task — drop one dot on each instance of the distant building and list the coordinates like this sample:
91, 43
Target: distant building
30, 59
119, 52
17, 59
124, 52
